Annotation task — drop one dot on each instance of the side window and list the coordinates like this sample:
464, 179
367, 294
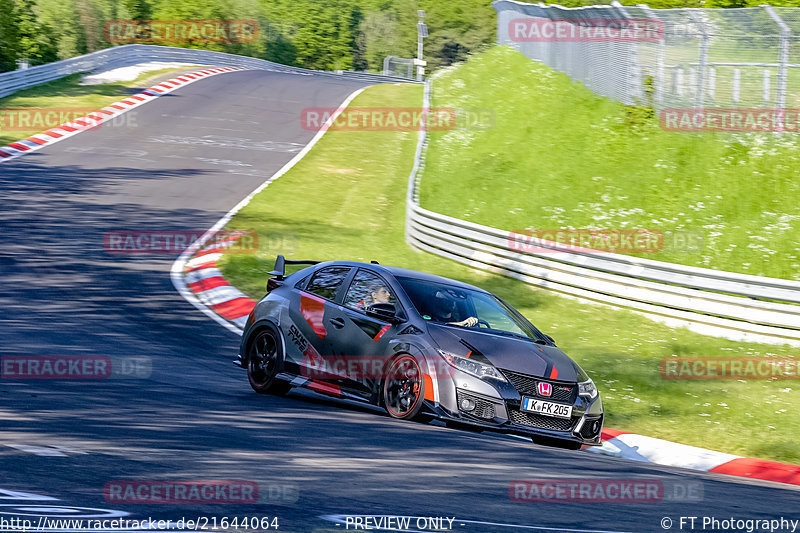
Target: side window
367, 289
299, 284
326, 281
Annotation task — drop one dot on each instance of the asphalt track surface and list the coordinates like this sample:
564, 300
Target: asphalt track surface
190, 157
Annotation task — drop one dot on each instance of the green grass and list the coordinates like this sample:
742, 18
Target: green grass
559, 156
67, 93
346, 200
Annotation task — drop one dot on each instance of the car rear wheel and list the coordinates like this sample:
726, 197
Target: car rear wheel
263, 362
403, 388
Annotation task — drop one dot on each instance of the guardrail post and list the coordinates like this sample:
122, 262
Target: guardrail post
701, 68
783, 56
633, 76
660, 80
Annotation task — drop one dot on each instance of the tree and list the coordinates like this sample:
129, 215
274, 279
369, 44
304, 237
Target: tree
9, 36
138, 9
36, 42
62, 18
377, 38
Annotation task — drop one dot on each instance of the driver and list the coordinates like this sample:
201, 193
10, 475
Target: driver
446, 310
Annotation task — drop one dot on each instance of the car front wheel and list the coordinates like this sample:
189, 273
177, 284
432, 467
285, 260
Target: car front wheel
403, 388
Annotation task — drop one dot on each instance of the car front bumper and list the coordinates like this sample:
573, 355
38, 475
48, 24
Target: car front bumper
497, 408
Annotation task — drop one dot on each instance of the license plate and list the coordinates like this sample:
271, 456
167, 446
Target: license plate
559, 410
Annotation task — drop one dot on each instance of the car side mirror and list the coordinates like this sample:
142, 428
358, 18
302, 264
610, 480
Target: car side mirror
382, 311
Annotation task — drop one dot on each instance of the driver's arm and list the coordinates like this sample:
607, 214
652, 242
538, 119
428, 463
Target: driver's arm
468, 322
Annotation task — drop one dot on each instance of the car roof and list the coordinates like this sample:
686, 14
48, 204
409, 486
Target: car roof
399, 272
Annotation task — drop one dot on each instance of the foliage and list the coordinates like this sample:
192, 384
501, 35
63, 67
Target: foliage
318, 34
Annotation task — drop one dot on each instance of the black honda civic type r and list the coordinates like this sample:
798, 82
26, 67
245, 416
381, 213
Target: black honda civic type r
419, 346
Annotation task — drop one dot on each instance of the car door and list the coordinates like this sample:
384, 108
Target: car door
357, 343
309, 307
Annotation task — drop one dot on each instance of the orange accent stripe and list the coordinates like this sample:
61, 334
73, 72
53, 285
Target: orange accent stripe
383, 330
428, 387
313, 310
554, 373
325, 388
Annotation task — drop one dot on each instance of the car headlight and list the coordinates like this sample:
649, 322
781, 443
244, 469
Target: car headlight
587, 388
475, 368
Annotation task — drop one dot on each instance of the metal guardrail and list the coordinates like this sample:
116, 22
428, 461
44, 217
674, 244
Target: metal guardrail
725, 304
132, 54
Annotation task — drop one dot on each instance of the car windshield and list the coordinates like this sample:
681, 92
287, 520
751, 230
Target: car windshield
462, 307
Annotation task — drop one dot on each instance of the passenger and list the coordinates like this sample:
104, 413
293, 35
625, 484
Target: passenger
376, 294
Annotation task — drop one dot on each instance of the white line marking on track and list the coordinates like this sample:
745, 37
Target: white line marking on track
42, 451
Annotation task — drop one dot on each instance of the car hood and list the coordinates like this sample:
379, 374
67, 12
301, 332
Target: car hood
508, 353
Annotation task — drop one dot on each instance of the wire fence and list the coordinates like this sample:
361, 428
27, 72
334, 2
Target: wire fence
399, 66
666, 58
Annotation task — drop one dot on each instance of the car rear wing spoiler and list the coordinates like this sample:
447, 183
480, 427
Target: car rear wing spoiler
280, 266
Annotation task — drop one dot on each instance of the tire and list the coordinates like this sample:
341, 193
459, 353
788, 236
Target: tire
403, 388
556, 443
264, 361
